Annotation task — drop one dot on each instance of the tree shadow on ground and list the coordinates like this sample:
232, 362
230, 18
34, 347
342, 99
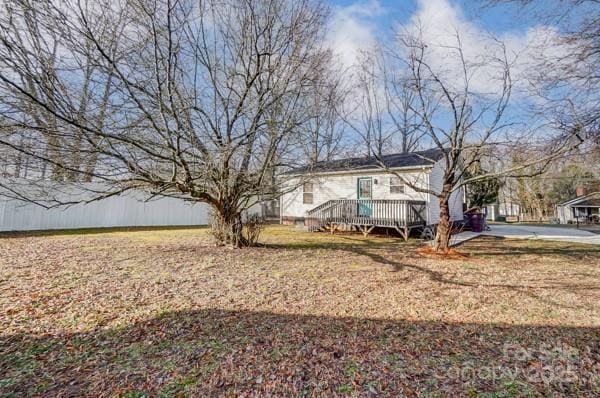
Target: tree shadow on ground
441, 277
444, 275
214, 352
497, 246
343, 240
402, 256
482, 246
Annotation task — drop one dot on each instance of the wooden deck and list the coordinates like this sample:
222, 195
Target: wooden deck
365, 215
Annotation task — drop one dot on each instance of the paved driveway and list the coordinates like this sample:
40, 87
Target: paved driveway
546, 233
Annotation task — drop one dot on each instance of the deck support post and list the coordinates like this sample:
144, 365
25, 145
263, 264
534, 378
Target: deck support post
333, 227
366, 230
403, 231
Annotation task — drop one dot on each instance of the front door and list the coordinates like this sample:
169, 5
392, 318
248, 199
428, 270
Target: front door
365, 194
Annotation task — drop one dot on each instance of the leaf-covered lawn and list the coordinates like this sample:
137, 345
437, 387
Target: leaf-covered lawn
165, 313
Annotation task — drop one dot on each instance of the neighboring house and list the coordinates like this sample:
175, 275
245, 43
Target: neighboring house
357, 193
585, 208
497, 211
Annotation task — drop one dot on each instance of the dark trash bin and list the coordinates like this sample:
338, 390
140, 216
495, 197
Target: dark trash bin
475, 219
476, 222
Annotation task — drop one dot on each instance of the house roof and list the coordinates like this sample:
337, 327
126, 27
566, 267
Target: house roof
397, 160
593, 202
591, 199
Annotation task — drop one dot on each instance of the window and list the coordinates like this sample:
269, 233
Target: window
307, 193
365, 188
396, 185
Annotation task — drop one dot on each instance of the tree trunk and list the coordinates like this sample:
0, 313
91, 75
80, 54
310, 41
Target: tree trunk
441, 242
90, 166
227, 227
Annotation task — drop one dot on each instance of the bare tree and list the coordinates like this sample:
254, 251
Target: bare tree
323, 136
378, 109
198, 100
29, 32
566, 74
400, 99
464, 123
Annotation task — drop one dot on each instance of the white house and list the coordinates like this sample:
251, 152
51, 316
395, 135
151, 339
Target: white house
585, 208
357, 192
502, 209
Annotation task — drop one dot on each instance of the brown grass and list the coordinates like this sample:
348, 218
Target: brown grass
450, 254
164, 312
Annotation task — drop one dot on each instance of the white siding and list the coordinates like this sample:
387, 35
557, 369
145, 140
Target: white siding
502, 209
566, 209
119, 211
344, 186
456, 198
564, 214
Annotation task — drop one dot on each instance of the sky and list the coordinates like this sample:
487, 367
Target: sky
377, 17
358, 23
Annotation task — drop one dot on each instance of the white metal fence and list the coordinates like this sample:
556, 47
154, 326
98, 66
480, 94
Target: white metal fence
121, 211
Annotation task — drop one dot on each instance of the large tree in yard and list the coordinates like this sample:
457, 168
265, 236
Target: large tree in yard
195, 99
463, 107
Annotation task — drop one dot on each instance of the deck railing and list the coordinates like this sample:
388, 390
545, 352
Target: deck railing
368, 212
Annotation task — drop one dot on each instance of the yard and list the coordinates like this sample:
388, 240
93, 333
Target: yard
165, 313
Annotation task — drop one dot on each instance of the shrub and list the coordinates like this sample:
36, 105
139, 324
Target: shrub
253, 226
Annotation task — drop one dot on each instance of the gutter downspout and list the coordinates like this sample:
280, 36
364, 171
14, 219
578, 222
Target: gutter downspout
428, 196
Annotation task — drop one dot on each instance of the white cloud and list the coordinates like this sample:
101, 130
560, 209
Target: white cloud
441, 24
353, 29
